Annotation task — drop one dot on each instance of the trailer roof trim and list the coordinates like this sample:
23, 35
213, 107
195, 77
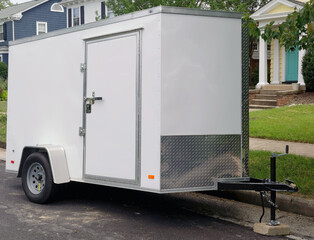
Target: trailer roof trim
139, 14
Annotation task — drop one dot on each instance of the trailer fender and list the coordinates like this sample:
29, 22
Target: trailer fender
57, 160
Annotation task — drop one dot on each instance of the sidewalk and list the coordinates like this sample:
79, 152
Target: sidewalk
303, 149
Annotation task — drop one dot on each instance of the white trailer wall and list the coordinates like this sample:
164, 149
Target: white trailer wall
189, 85
201, 75
45, 104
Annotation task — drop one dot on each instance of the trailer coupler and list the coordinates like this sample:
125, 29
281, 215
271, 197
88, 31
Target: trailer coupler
264, 186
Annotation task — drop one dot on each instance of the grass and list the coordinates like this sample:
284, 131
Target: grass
295, 123
3, 106
3, 127
296, 168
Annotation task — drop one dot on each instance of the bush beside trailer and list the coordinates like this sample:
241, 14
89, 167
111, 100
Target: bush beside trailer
155, 100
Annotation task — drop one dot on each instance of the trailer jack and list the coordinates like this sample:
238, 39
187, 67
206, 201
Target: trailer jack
264, 186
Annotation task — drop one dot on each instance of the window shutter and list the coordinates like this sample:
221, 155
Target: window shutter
69, 17
5, 35
82, 15
103, 10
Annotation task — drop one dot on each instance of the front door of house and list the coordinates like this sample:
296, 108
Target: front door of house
292, 60
112, 115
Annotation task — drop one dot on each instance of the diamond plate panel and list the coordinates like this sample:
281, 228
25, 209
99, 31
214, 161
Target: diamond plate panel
245, 99
195, 161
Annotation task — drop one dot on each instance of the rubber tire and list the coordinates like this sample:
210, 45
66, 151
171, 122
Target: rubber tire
50, 189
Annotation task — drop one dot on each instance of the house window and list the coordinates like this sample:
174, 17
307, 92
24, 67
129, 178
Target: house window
56, 7
1, 34
41, 27
1, 58
268, 47
109, 13
76, 16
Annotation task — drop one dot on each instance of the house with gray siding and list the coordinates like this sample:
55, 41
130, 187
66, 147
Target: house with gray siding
29, 19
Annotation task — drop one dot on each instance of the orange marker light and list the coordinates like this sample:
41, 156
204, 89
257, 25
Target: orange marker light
12, 161
151, 176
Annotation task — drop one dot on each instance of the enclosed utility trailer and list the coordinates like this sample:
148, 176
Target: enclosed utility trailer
155, 100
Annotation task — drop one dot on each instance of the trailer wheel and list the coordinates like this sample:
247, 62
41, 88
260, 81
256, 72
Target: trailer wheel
37, 178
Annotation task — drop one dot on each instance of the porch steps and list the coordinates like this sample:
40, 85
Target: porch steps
269, 92
261, 107
269, 96
266, 96
278, 87
264, 102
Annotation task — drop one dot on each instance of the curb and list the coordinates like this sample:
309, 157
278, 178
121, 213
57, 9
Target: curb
287, 203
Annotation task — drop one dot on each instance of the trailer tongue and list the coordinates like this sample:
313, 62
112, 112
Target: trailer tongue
263, 186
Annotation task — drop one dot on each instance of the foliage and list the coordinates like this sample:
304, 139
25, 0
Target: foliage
120, 7
3, 127
294, 123
296, 31
3, 106
245, 6
5, 3
3, 70
308, 69
4, 95
297, 168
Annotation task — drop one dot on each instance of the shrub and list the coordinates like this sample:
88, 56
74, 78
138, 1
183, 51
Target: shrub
4, 95
308, 69
3, 70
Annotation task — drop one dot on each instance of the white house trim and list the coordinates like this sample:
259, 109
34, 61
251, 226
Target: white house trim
283, 67
276, 69
262, 63
268, 7
300, 76
37, 27
55, 10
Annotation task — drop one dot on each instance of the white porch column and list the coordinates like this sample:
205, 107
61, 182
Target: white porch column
262, 63
300, 76
283, 66
276, 69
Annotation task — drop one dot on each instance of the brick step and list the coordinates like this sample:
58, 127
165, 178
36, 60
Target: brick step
265, 102
261, 107
268, 92
280, 87
266, 96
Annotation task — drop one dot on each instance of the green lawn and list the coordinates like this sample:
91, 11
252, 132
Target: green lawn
295, 123
3, 127
3, 106
296, 168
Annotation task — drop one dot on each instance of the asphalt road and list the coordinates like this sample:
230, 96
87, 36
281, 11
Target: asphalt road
94, 212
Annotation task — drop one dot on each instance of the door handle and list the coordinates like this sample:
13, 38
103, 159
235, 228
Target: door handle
90, 101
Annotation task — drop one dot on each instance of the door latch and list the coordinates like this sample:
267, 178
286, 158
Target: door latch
90, 101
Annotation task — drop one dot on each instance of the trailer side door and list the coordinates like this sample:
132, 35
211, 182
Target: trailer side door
112, 126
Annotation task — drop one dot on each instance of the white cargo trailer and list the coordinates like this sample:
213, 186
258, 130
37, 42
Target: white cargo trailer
155, 100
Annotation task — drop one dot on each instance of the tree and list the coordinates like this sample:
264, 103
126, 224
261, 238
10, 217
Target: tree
296, 32
120, 7
5, 3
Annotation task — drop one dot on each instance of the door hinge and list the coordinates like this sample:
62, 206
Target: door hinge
82, 131
83, 67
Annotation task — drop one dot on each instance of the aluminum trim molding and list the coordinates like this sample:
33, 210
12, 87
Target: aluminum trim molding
138, 35
245, 99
